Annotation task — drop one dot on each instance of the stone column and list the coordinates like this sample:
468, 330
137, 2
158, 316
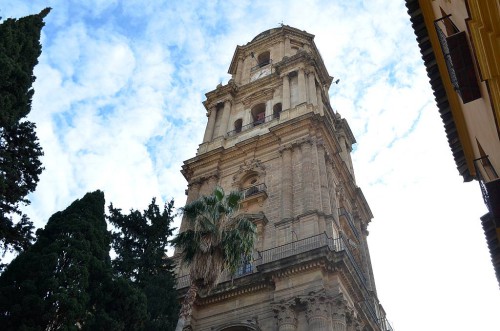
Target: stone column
366, 258
312, 88
212, 181
333, 189
298, 180
281, 51
307, 176
316, 193
302, 86
338, 316
247, 117
286, 316
286, 92
209, 131
355, 324
286, 184
324, 181
318, 314
269, 108
193, 192
225, 118
319, 101
288, 49
240, 69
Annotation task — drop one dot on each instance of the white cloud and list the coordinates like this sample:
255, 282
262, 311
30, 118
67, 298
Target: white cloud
118, 107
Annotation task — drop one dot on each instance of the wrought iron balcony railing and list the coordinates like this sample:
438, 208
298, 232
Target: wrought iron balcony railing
290, 249
487, 177
253, 124
350, 221
253, 190
261, 65
308, 244
385, 325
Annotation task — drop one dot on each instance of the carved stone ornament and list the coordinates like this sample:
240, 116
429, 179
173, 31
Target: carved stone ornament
340, 192
318, 306
340, 310
252, 167
286, 316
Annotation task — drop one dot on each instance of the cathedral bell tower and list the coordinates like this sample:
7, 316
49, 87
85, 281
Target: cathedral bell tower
273, 135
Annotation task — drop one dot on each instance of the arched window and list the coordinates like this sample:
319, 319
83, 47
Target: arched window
277, 110
258, 114
264, 59
237, 125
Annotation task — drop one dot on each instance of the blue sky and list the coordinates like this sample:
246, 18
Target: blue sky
118, 106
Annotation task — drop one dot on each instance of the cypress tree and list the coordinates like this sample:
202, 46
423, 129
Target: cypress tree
20, 152
141, 242
64, 281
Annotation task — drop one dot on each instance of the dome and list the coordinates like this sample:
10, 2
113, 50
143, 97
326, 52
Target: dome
264, 34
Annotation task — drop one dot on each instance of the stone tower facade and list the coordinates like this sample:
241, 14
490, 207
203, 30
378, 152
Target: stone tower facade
273, 135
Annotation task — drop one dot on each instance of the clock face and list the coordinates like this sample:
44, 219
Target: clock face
260, 73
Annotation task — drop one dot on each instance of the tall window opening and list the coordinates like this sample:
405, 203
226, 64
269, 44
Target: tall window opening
258, 114
277, 110
237, 125
264, 59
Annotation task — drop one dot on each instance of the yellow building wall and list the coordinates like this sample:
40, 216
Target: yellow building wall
477, 121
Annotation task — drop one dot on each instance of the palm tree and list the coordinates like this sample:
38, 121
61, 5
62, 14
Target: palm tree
214, 242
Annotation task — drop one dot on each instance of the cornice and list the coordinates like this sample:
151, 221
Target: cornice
221, 94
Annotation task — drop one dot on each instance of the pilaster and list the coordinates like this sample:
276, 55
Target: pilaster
312, 88
193, 193
286, 92
287, 49
286, 317
286, 184
298, 180
325, 194
319, 100
301, 86
209, 131
225, 118
307, 175
339, 309
240, 69
318, 313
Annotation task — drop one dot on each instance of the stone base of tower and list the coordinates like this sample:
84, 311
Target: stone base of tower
310, 284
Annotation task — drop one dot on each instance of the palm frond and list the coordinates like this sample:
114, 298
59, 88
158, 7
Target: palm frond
215, 240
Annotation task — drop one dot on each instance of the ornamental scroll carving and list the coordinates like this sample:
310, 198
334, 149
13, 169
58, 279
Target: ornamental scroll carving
249, 168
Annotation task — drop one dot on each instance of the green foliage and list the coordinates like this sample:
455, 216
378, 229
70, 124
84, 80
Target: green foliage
20, 152
141, 242
19, 51
65, 281
215, 240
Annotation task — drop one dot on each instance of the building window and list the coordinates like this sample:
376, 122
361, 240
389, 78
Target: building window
258, 114
264, 59
277, 110
459, 62
237, 125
